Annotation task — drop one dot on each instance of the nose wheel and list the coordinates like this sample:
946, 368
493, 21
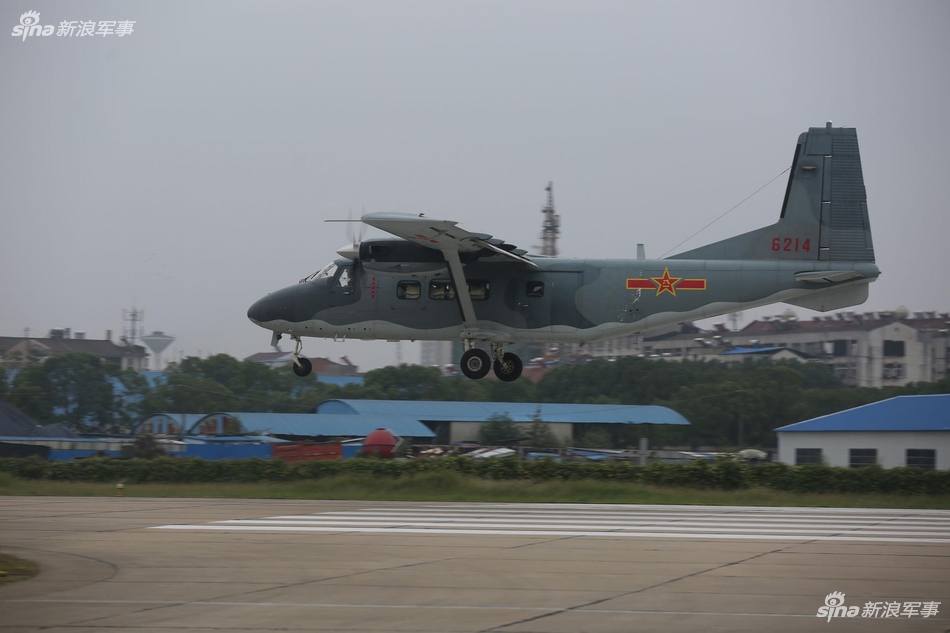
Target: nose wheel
302, 365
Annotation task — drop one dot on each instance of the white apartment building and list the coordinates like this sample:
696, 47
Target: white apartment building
871, 349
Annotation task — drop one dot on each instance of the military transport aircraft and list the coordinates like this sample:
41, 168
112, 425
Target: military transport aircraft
818, 256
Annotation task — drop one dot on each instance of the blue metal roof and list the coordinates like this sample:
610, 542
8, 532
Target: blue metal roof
159, 418
233, 439
752, 350
903, 413
322, 424
341, 381
517, 411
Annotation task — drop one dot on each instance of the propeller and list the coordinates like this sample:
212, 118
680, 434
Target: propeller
351, 250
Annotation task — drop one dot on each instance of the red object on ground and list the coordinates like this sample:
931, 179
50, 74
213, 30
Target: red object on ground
302, 452
380, 443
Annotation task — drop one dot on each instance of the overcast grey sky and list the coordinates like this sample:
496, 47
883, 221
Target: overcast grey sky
188, 167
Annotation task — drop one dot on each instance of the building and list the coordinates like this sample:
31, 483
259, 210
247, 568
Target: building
17, 350
321, 366
439, 354
873, 349
901, 431
302, 426
418, 421
739, 354
452, 422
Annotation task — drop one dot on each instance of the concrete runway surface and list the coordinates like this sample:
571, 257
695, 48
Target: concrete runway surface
149, 565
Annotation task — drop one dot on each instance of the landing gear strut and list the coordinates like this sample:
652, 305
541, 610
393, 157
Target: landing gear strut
302, 365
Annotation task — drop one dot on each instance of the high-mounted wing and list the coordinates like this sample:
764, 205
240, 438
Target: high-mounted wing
447, 237
442, 235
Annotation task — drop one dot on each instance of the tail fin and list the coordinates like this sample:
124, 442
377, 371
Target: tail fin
825, 213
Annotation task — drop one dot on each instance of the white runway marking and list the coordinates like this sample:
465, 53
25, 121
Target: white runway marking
568, 520
433, 607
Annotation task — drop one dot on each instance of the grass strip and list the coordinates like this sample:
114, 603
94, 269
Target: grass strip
13, 569
452, 486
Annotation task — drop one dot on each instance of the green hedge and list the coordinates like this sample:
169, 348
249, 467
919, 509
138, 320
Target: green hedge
724, 475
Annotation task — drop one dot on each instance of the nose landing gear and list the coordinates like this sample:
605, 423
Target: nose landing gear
476, 363
302, 365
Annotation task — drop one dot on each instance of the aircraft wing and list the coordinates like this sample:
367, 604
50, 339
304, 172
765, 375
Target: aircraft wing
442, 235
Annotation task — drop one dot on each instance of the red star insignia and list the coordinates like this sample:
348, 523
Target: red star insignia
666, 283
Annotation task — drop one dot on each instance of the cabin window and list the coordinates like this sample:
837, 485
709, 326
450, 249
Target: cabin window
534, 289
807, 456
925, 458
479, 290
408, 290
441, 290
861, 457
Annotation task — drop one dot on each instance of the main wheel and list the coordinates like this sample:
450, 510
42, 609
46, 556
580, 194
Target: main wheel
304, 368
476, 363
508, 368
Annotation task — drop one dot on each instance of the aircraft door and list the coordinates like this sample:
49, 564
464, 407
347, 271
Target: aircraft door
533, 300
546, 298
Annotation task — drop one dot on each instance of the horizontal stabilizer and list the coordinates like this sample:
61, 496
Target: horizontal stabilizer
833, 298
827, 276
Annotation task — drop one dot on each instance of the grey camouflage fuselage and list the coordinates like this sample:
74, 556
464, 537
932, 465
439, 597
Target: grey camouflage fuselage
819, 255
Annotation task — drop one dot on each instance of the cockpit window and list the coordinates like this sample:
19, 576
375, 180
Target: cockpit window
327, 271
346, 278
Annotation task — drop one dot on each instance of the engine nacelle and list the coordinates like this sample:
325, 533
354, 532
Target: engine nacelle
396, 257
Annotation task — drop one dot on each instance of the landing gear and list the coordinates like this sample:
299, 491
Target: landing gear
475, 363
508, 368
302, 365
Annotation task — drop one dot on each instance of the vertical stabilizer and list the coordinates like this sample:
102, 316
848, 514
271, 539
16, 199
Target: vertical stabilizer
824, 214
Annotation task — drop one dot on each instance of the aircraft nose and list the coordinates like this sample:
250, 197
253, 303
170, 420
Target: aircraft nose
254, 312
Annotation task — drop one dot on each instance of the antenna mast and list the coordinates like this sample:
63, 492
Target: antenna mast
550, 226
133, 326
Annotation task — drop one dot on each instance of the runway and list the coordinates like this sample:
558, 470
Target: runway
200, 564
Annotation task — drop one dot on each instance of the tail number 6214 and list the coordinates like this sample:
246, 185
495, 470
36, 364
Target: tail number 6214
790, 244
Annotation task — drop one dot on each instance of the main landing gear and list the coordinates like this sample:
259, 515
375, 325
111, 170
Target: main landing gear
476, 363
302, 365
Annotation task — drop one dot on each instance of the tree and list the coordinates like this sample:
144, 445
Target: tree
593, 436
145, 446
499, 429
540, 434
406, 382
4, 387
71, 389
